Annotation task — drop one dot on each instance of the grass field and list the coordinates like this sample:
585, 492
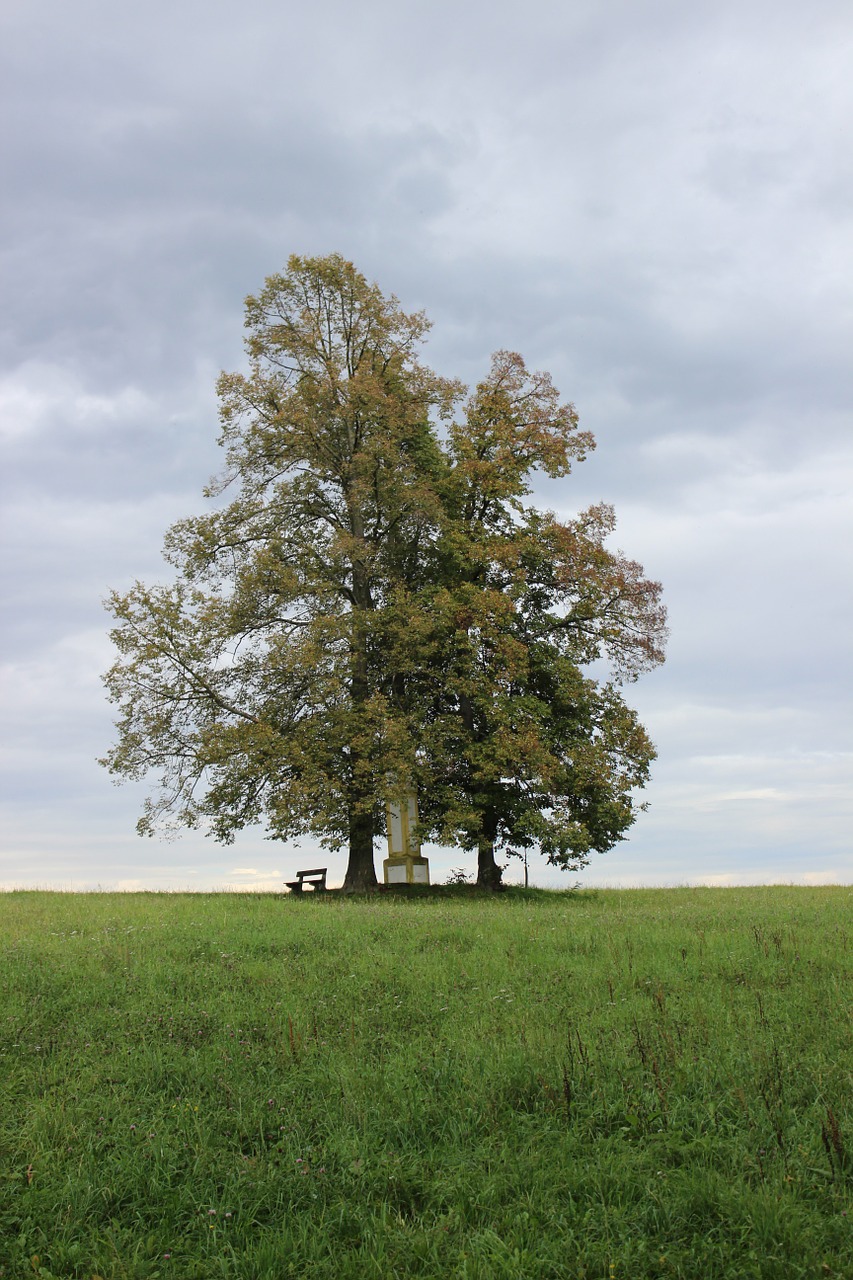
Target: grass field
612, 1084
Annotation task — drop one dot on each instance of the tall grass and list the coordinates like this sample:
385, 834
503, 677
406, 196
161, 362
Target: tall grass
597, 1084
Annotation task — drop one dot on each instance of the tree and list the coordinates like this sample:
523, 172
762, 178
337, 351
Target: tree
374, 606
255, 683
523, 749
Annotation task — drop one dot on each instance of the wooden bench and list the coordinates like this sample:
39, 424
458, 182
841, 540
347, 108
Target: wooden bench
316, 878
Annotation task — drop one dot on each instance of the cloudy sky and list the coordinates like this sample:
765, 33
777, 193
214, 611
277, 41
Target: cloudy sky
649, 198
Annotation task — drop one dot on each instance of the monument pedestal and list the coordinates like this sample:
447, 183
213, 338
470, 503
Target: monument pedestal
406, 870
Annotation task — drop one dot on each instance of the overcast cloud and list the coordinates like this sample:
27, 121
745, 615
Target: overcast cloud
650, 199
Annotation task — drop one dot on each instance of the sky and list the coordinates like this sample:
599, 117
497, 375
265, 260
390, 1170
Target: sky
650, 199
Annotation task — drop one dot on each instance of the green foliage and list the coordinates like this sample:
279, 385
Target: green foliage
529, 751
373, 606
636, 1084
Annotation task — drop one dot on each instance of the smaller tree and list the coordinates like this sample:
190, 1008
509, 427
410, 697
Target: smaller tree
522, 749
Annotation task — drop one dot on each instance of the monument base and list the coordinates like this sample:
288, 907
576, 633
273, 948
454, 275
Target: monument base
406, 870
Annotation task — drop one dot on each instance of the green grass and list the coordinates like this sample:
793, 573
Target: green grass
592, 1084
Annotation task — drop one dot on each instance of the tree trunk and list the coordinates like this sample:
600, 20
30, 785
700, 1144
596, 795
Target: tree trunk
488, 871
361, 873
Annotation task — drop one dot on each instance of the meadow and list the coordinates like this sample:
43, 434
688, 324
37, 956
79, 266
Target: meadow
593, 1084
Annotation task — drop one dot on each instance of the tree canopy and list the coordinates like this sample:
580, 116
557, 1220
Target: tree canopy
374, 604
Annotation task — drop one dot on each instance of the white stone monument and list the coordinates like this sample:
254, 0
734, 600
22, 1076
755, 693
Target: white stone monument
404, 864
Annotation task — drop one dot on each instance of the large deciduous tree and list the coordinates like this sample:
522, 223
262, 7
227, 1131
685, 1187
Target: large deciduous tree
255, 684
377, 605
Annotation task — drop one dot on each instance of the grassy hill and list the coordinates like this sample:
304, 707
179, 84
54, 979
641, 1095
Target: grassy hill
612, 1084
